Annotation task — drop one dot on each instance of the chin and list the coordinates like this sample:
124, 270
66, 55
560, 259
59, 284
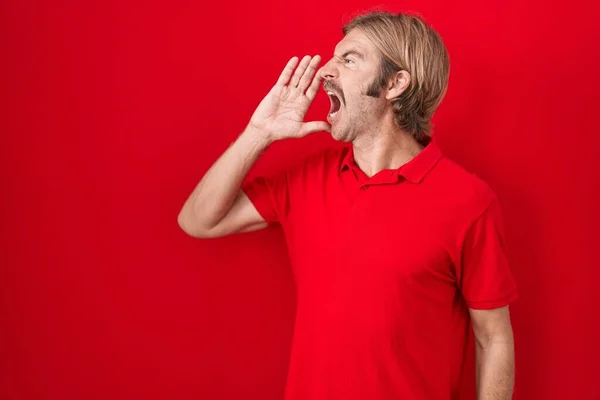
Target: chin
340, 134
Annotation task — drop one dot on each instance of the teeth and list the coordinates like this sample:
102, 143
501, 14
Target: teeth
330, 93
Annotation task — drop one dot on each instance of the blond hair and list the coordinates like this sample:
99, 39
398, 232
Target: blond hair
407, 43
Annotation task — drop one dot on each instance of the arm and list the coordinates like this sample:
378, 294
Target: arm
217, 206
495, 353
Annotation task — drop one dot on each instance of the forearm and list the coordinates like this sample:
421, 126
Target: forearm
214, 195
495, 370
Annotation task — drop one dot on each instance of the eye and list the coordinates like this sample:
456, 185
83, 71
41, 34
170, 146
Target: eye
348, 61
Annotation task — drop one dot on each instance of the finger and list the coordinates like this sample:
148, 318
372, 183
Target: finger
287, 71
313, 89
309, 73
300, 71
314, 126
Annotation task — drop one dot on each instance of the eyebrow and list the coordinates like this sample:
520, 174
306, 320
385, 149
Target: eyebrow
353, 52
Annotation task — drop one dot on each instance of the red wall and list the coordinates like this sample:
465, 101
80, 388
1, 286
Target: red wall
111, 113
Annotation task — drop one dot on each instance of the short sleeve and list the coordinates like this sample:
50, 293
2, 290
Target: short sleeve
484, 275
269, 195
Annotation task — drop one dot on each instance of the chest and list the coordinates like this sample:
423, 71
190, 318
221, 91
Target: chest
378, 239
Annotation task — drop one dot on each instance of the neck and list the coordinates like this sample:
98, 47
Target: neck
384, 146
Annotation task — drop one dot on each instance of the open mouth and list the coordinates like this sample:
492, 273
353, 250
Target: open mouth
336, 104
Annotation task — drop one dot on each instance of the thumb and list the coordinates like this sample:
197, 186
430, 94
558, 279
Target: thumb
314, 126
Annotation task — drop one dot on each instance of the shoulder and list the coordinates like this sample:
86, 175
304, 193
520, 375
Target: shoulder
460, 189
318, 163
326, 158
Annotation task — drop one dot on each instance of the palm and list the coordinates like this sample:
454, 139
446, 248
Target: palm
283, 110
281, 113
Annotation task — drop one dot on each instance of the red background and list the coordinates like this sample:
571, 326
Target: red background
111, 113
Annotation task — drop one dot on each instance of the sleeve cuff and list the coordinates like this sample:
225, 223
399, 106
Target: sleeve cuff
261, 202
491, 304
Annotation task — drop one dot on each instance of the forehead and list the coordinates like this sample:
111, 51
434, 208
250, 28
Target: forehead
356, 40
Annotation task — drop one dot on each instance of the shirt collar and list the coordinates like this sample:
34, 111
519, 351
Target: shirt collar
414, 170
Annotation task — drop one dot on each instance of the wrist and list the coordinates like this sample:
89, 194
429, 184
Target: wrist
258, 136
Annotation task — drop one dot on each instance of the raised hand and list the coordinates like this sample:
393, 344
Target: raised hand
281, 113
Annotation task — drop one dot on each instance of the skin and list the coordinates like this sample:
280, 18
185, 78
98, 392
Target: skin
367, 121
218, 207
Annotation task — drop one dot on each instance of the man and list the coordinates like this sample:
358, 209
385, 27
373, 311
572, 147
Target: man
396, 250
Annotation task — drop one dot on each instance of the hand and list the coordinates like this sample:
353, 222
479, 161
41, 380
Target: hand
281, 113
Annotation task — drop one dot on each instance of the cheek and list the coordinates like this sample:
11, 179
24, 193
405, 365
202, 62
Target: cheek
356, 88
352, 91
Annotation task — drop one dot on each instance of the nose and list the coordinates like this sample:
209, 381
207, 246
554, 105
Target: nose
328, 71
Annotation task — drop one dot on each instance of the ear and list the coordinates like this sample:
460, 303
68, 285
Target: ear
397, 84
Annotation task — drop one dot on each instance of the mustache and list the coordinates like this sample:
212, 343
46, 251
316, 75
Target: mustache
330, 86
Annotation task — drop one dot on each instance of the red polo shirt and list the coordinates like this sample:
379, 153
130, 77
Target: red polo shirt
386, 268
